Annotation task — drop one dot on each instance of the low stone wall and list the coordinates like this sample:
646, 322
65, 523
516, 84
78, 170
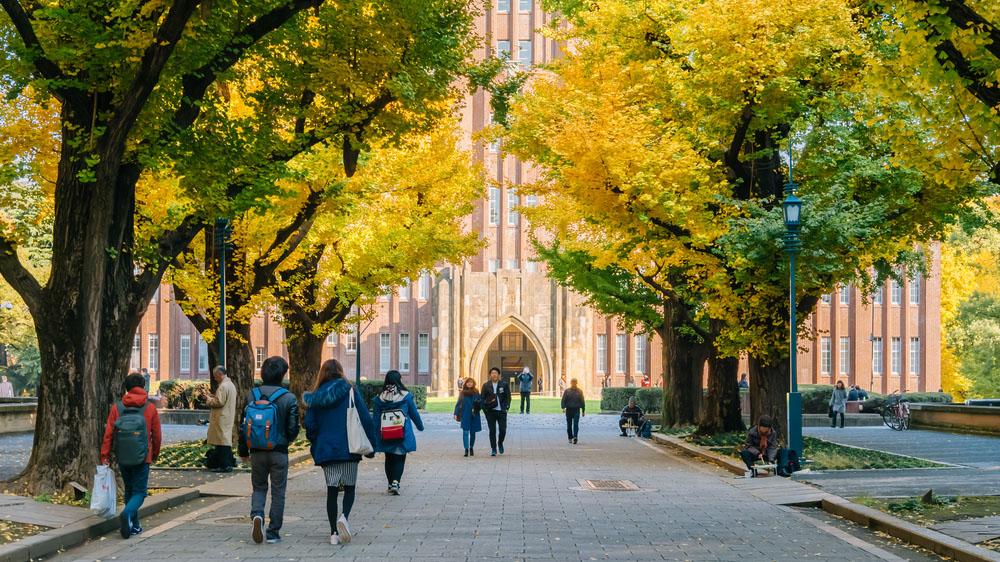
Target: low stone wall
17, 418
956, 417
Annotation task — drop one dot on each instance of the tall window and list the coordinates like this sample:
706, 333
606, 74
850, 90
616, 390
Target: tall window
512, 264
640, 354
154, 352
259, 357
202, 356
877, 359
503, 50
914, 356
845, 294
331, 339
531, 266
915, 290
513, 200
404, 291
845, 355
825, 356
423, 353
897, 355
524, 5
384, 352
493, 266
351, 343
877, 295
494, 206
503, 6
524, 54
826, 298
404, 353
530, 200
135, 364
185, 355
425, 286
897, 293
621, 353
602, 353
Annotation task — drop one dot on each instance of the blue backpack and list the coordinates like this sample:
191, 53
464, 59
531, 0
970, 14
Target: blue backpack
261, 427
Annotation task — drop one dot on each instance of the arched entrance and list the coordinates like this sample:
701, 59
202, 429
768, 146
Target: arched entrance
510, 345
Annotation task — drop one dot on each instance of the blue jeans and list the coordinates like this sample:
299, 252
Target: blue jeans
468, 438
572, 422
136, 479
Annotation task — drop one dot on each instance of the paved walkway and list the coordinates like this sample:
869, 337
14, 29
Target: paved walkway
523, 505
977, 451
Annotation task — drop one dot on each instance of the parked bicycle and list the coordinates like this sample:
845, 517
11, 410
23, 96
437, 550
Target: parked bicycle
896, 412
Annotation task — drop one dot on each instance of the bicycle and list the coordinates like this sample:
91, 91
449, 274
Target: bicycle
896, 412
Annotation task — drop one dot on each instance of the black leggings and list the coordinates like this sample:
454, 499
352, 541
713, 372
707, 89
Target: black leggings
833, 422
394, 465
331, 504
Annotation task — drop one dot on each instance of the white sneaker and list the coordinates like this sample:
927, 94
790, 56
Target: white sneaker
334, 539
344, 529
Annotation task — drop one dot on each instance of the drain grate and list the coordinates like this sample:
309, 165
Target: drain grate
609, 485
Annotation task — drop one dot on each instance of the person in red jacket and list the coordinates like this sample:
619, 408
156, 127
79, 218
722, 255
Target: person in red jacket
134, 476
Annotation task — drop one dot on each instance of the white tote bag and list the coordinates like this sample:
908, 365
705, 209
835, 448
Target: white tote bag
104, 498
357, 439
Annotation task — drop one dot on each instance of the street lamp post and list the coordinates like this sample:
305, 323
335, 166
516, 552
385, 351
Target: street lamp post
792, 207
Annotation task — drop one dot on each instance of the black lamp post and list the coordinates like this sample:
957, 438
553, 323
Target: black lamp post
792, 207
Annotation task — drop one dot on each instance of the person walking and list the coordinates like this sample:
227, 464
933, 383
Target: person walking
496, 402
524, 381
270, 422
467, 414
133, 428
6, 389
222, 404
396, 413
838, 404
326, 428
145, 380
574, 405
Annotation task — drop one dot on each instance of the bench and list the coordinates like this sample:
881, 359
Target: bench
769, 467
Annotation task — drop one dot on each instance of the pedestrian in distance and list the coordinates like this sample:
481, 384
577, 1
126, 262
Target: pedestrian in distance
145, 380
761, 444
853, 395
396, 413
133, 430
574, 405
838, 404
467, 414
744, 382
524, 381
327, 429
6, 389
496, 402
222, 416
270, 422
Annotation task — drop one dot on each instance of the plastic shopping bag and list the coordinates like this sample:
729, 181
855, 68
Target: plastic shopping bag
104, 496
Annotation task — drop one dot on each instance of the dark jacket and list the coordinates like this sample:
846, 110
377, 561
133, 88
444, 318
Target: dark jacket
753, 443
467, 412
634, 414
288, 418
573, 398
326, 421
853, 396
502, 395
134, 398
385, 402
524, 381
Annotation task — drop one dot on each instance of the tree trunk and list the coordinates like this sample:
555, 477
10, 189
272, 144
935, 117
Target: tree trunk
769, 386
678, 358
721, 412
305, 352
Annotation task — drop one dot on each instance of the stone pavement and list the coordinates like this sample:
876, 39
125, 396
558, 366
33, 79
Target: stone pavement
977, 451
526, 504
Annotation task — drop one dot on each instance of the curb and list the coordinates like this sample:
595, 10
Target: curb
50, 541
871, 518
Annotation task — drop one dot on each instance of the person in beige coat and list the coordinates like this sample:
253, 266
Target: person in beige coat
220, 423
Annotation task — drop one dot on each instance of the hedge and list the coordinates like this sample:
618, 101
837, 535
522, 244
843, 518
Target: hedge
616, 397
816, 399
184, 394
370, 389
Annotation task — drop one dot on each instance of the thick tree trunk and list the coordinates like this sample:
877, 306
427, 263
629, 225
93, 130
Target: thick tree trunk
678, 376
769, 386
721, 412
305, 353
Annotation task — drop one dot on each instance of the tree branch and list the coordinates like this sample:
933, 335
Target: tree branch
975, 79
731, 158
18, 276
290, 236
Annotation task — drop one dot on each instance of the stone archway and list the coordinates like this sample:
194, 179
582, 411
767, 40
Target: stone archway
481, 351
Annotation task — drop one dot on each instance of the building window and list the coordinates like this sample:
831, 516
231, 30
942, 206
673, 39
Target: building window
845, 294
384, 352
524, 54
259, 357
914, 356
897, 355
503, 6
331, 340
511, 264
915, 290
404, 353
202, 356
494, 206
495, 143
897, 292
825, 356
877, 356
423, 353
351, 345
136, 353
425, 286
530, 200
621, 353
640, 354
825, 298
185, 355
154, 352
877, 295
493, 266
503, 50
531, 266
845, 355
404, 291
602, 353
513, 200
524, 5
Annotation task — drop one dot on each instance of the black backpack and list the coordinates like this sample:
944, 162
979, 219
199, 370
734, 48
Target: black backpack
131, 435
788, 462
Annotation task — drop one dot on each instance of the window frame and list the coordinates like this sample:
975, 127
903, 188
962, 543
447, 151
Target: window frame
493, 207
621, 353
602, 353
914, 366
845, 355
423, 353
153, 352
878, 355
896, 355
180, 355
825, 355
384, 352
403, 359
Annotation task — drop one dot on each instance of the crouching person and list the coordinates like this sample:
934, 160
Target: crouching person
133, 428
270, 422
761, 444
632, 415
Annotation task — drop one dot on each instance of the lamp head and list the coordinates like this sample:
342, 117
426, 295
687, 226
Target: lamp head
792, 206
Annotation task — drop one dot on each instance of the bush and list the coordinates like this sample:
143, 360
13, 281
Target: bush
875, 404
370, 389
184, 394
616, 397
816, 399
649, 399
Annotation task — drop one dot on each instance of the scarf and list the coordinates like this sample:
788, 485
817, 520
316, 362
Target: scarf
762, 443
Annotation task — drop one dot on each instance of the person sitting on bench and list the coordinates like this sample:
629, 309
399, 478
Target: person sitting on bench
631, 415
761, 444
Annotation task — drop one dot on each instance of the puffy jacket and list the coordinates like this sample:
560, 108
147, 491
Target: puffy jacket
573, 398
467, 411
404, 402
288, 418
326, 421
134, 398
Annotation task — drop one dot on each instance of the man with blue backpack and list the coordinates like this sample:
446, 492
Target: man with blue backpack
133, 429
270, 422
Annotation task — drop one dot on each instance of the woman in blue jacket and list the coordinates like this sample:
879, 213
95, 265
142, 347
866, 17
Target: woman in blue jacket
326, 429
467, 412
394, 402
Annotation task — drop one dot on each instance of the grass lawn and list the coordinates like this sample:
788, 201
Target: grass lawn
191, 454
939, 509
539, 405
